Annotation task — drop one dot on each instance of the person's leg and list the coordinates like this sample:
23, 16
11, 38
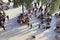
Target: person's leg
39, 26
35, 14
31, 25
28, 24
8, 19
3, 21
3, 27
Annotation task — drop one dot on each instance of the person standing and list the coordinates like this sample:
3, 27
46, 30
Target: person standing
35, 13
1, 24
3, 19
8, 18
31, 25
40, 9
27, 21
39, 26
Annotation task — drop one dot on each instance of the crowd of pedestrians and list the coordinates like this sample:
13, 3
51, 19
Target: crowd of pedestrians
44, 17
2, 20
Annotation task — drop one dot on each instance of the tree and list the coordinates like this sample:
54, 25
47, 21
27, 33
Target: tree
19, 2
22, 3
54, 6
42, 1
38, 1
15, 3
26, 3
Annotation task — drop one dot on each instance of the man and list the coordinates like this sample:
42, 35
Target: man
8, 18
1, 24
27, 21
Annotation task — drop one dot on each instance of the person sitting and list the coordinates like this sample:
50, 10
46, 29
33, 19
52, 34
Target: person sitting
48, 26
57, 27
48, 23
59, 14
27, 21
48, 14
48, 20
21, 21
21, 15
56, 15
33, 37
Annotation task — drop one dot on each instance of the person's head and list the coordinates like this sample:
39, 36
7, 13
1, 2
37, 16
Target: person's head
40, 6
59, 14
42, 22
41, 14
48, 13
57, 27
7, 15
56, 14
48, 23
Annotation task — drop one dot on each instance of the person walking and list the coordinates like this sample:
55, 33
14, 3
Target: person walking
35, 13
39, 26
8, 18
40, 9
31, 25
3, 20
1, 24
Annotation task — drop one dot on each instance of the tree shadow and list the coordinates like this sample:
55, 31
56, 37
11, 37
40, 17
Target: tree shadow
14, 29
49, 33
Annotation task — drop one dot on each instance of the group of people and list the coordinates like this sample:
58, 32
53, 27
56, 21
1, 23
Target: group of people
2, 20
57, 15
57, 28
35, 9
58, 22
45, 18
23, 18
4, 5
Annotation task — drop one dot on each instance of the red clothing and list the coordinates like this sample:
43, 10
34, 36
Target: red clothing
21, 21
